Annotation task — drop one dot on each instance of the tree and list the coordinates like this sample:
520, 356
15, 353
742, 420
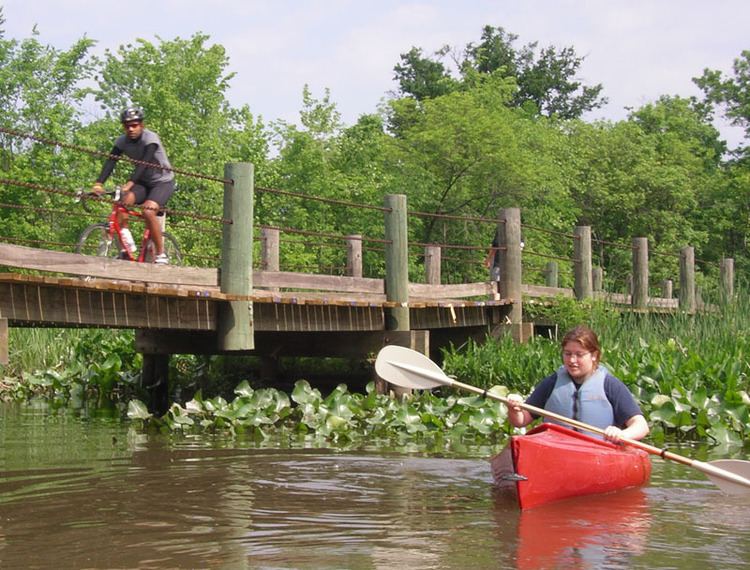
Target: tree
40, 94
422, 77
731, 92
546, 83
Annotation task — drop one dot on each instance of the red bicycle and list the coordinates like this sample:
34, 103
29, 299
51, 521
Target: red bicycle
105, 239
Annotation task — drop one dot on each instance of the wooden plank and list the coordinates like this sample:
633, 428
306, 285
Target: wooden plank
289, 280
325, 298
75, 264
454, 317
425, 291
544, 291
26, 303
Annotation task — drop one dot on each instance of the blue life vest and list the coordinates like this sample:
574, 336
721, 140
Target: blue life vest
591, 404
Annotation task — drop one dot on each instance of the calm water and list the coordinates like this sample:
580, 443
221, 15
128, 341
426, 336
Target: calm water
92, 494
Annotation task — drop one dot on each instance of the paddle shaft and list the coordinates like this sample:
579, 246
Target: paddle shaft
663, 453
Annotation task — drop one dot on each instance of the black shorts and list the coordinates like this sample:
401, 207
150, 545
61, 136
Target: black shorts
158, 193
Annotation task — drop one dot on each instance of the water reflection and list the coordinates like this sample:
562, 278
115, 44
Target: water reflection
599, 531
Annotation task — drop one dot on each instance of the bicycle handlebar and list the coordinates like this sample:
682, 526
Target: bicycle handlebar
82, 196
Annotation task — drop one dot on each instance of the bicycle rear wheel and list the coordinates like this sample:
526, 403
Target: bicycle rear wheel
170, 248
95, 240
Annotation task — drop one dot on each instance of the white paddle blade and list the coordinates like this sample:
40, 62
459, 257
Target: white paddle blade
730, 475
409, 369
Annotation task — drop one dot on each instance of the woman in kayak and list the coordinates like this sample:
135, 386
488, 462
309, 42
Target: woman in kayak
584, 390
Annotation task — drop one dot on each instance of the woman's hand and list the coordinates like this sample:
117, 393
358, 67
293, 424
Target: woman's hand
613, 434
514, 402
517, 416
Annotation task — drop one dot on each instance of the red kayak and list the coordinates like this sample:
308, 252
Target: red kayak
552, 462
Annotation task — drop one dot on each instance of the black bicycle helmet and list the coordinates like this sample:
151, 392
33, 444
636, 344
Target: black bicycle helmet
131, 114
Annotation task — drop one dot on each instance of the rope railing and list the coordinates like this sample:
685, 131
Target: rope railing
30, 241
74, 195
456, 217
322, 200
556, 233
98, 153
326, 235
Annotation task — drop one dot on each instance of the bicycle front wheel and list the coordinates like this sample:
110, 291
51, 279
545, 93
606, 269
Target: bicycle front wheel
170, 248
95, 240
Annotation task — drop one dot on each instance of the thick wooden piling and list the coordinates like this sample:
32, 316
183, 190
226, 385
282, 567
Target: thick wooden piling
509, 250
397, 277
235, 324
3, 341
396, 263
155, 382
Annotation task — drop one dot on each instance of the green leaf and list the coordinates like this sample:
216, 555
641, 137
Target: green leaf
137, 410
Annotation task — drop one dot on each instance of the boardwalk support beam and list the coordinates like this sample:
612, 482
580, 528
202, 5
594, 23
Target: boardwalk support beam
3, 341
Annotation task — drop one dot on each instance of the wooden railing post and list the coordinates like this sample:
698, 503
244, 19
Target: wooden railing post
396, 263
597, 279
551, 272
235, 320
582, 264
432, 260
727, 279
510, 261
639, 299
269, 249
687, 279
666, 289
354, 255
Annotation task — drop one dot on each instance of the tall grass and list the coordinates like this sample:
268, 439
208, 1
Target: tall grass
39, 349
690, 373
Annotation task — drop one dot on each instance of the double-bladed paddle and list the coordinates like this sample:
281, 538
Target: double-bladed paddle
410, 369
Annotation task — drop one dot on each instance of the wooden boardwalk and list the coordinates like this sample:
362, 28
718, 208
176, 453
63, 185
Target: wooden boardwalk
292, 313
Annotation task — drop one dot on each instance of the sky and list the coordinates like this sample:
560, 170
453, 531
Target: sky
638, 49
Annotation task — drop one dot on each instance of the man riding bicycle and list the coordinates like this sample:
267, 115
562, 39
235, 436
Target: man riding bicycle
148, 186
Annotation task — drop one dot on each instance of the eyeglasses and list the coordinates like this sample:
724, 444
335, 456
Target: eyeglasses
577, 355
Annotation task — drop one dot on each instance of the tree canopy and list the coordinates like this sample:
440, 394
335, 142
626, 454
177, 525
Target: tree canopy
546, 82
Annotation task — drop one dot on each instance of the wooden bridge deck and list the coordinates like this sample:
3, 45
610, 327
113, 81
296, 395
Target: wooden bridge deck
176, 309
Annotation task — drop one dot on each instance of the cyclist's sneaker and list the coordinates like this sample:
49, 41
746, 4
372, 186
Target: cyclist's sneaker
162, 259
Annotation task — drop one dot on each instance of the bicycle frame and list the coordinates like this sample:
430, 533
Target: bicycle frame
114, 228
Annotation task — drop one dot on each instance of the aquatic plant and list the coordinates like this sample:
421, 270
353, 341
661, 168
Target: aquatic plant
338, 416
